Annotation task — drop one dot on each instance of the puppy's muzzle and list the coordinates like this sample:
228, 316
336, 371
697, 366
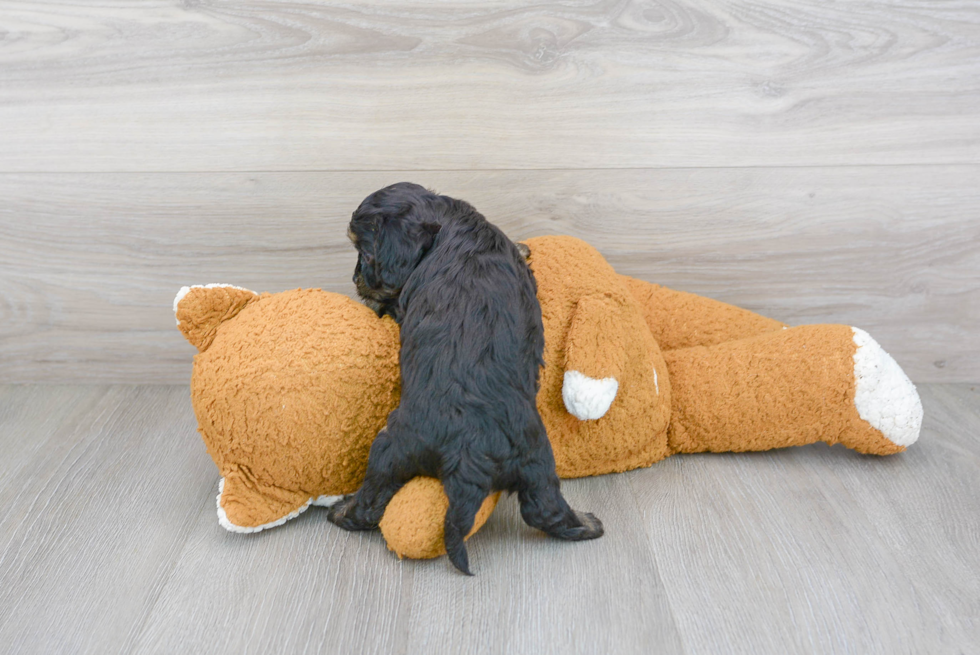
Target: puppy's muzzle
378, 300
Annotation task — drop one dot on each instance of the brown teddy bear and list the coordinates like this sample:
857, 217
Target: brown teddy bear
289, 389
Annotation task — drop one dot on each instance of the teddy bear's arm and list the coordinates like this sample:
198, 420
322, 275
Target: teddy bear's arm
681, 320
595, 351
245, 505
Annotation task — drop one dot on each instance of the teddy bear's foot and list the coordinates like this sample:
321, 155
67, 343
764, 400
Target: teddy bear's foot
883, 395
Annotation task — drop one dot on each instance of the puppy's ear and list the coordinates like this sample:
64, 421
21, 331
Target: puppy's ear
429, 232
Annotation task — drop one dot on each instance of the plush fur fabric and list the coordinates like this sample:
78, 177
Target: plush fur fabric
286, 388
423, 537
594, 326
789, 388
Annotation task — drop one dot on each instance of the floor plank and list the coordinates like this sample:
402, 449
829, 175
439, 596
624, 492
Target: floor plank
311, 588
846, 553
32, 415
254, 85
306, 587
532, 594
109, 543
91, 524
924, 526
89, 264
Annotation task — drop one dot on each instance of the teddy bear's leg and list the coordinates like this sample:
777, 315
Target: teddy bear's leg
830, 383
245, 505
682, 320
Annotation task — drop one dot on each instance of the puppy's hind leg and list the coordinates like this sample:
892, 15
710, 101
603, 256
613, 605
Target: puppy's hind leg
465, 498
389, 468
542, 505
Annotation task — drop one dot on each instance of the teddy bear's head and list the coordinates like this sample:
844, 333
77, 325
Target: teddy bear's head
289, 390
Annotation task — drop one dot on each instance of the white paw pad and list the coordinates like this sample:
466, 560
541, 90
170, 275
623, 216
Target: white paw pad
883, 395
587, 398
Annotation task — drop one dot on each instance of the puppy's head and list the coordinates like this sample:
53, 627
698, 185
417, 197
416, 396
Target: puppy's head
392, 230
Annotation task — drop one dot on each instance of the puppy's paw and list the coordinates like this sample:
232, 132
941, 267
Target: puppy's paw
590, 528
343, 514
579, 527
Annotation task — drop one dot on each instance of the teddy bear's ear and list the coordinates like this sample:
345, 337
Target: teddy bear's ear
246, 506
201, 309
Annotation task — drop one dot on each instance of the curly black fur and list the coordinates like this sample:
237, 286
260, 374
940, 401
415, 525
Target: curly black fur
471, 348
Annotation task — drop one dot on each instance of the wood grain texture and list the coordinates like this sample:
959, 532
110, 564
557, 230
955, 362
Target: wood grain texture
306, 587
90, 263
31, 415
533, 594
846, 553
109, 544
309, 587
92, 522
241, 85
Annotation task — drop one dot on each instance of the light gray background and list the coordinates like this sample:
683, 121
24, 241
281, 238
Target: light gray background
817, 162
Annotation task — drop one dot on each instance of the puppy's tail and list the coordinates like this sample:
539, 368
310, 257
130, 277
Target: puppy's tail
465, 500
457, 554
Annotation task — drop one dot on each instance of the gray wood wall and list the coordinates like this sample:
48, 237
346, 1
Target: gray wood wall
817, 162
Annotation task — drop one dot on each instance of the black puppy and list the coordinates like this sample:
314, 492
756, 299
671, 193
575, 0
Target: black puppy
471, 346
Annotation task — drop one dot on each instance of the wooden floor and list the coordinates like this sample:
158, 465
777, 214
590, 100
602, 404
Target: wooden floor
109, 543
